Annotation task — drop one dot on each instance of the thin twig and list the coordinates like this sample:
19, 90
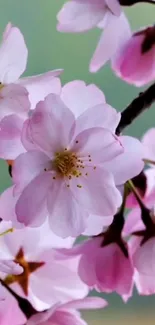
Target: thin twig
137, 107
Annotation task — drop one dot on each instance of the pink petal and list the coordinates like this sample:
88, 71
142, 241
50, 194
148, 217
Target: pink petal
144, 258
13, 55
133, 222
88, 261
149, 144
114, 6
145, 284
128, 164
14, 100
14, 315
66, 317
65, 215
98, 142
60, 276
87, 303
8, 210
102, 115
76, 16
10, 137
78, 97
98, 194
42, 317
141, 70
26, 137
95, 224
10, 267
26, 167
27, 238
116, 32
118, 272
40, 86
31, 205
52, 125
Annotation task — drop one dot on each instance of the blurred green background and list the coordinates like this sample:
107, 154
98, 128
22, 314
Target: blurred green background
48, 50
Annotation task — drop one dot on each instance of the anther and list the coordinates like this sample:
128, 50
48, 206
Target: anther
79, 186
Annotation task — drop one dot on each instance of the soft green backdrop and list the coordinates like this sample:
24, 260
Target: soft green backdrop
48, 50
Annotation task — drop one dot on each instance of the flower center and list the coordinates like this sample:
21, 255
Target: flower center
28, 268
66, 163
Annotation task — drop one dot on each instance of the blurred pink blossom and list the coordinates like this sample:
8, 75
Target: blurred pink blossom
49, 276
17, 96
79, 16
134, 61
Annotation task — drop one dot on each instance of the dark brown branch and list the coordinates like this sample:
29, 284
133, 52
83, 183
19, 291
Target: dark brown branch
138, 106
133, 2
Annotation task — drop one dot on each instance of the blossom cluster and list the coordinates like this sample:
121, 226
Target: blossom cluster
73, 175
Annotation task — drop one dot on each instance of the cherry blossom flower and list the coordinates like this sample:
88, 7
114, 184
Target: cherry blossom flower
65, 167
49, 275
64, 164
140, 46
17, 96
79, 16
67, 314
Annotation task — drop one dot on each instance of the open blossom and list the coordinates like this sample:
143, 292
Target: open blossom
49, 276
69, 169
87, 103
141, 48
79, 16
17, 96
67, 314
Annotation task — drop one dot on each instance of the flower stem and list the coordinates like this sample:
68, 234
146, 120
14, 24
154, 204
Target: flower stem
145, 212
23, 303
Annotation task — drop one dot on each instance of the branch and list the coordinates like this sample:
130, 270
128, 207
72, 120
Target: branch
138, 106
